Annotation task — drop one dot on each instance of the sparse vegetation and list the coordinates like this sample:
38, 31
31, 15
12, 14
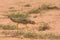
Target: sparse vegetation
33, 35
5, 33
34, 16
48, 36
43, 26
18, 15
42, 8
8, 27
27, 5
48, 7
18, 34
34, 11
12, 9
40, 35
30, 35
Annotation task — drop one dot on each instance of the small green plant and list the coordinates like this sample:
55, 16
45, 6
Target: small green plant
18, 34
34, 11
8, 27
40, 35
5, 33
48, 36
35, 17
12, 9
56, 37
18, 15
43, 26
30, 35
27, 5
44, 7
48, 7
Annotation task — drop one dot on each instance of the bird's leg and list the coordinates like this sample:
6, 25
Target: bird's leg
27, 26
17, 26
36, 24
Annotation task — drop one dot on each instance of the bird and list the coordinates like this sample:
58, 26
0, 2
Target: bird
20, 18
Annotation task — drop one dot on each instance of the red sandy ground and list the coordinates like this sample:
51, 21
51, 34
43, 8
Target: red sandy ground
53, 20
